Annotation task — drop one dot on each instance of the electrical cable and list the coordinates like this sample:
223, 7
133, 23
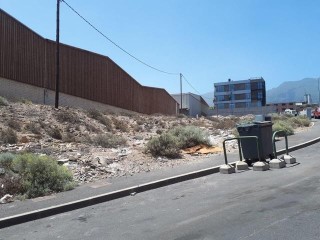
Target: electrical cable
122, 49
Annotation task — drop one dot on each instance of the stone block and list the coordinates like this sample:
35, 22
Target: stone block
277, 163
227, 169
241, 165
260, 166
289, 159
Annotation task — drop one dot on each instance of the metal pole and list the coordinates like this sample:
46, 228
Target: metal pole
57, 55
180, 92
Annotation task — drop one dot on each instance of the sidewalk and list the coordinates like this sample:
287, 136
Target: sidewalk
109, 185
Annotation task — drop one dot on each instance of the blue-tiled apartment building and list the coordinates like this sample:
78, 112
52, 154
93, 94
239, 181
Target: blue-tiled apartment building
249, 93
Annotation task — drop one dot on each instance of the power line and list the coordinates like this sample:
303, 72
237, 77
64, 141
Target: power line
122, 49
195, 89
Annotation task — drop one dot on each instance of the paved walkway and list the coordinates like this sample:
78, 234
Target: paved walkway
110, 185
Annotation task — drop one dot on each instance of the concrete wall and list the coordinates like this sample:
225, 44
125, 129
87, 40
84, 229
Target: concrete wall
14, 90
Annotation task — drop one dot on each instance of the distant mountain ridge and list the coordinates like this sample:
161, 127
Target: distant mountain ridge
294, 91
291, 91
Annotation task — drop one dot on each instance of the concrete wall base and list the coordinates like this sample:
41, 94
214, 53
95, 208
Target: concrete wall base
16, 91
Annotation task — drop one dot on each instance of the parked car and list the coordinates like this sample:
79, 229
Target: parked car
290, 112
316, 112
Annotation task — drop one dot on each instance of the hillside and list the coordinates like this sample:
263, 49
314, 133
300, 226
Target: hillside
96, 145
294, 91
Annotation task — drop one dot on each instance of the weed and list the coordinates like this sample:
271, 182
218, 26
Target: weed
54, 133
8, 136
14, 124
33, 127
6, 160
41, 175
169, 144
3, 101
120, 125
95, 114
190, 136
281, 125
164, 145
67, 116
108, 140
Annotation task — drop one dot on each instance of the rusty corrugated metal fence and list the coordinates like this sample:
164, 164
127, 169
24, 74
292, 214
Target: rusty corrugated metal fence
27, 57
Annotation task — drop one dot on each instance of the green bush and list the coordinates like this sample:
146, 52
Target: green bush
281, 125
164, 145
169, 144
3, 101
6, 160
41, 175
8, 136
108, 140
190, 136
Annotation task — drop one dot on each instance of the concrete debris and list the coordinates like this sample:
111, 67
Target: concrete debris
6, 199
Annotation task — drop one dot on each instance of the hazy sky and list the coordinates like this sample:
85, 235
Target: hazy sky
207, 41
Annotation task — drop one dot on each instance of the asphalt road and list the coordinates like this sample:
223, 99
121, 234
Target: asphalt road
276, 204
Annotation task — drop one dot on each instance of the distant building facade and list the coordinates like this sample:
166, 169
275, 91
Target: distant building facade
249, 93
192, 104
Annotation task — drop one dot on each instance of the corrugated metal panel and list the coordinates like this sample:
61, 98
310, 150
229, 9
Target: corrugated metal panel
22, 52
27, 57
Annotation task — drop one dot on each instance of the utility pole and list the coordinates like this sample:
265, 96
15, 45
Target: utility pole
180, 92
57, 55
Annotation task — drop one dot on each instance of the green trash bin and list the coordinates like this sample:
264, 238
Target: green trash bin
262, 130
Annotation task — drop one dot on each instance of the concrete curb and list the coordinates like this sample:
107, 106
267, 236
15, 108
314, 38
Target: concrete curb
299, 146
46, 212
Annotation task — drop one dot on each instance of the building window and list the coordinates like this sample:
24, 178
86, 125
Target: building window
260, 95
248, 95
220, 106
231, 105
231, 87
219, 88
259, 85
248, 104
259, 104
220, 98
248, 86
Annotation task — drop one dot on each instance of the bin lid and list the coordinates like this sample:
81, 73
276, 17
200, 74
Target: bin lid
255, 124
264, 123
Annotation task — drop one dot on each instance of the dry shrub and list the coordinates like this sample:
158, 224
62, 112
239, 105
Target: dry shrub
3, 101
120, 125
54, 133
97, 115
14, 124
67, 116
33, 127
8, 136
108, 140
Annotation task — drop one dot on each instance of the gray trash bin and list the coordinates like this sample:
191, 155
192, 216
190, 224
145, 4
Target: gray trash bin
262, 130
